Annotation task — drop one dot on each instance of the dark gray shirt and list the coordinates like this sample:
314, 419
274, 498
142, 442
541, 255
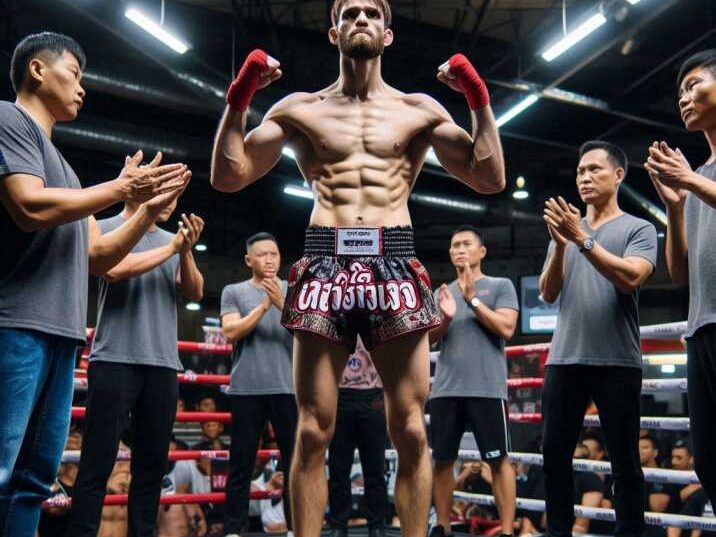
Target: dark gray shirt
472, 359
137, 317
701, 236
597, 323
43, 274
261, 361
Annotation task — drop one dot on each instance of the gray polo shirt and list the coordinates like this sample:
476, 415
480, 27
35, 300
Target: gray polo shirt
261, 362
700, 234
597, 323
43, 274
137, 317
472, 359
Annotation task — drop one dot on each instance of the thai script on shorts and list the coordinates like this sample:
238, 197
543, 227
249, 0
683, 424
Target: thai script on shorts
356, 290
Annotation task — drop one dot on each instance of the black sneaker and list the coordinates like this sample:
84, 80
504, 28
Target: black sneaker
376, 531
438, 531
339, 532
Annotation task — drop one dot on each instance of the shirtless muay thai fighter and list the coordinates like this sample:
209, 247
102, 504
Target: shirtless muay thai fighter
360, 144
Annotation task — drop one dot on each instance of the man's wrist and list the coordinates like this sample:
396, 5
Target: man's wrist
118, 189
580, 238
690, 181
148, 214
675, 211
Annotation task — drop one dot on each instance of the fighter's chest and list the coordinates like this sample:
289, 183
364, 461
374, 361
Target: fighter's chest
382, 131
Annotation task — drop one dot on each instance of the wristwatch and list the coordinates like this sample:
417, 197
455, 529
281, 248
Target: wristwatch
587, 245
475, 302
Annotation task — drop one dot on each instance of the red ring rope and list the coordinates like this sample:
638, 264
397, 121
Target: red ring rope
169, 499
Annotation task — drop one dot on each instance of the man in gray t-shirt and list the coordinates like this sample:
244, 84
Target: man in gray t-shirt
479, 313
690, 198
133, 368
597, 265
51, 242
261, 386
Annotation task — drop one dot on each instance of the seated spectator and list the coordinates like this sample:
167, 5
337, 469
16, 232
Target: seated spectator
475, 477
211, 432
55, 522
212, 470
588, 490
682, 459
656, 494
697, 504
271, 511
529, 484
592, 439
114, 517
206, 403
203, 472
186, 519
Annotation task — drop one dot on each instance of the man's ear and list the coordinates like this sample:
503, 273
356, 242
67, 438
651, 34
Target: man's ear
388, 37
333, 36
620, 175
35, 70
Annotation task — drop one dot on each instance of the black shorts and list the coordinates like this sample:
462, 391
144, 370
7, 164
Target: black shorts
338, 290
488, 418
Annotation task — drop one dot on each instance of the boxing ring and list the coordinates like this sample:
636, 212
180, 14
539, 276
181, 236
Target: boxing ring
664, 338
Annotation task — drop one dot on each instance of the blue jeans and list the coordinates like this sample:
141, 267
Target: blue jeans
36, 386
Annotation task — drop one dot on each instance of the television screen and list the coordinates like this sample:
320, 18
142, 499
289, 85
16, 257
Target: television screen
538, 317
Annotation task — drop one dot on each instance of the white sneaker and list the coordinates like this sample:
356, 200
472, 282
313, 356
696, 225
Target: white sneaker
231, 535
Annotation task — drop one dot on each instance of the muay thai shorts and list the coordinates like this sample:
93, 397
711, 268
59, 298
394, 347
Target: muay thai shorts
359, 281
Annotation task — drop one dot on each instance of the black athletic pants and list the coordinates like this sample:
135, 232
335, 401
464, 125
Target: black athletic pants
249, 414
143, 400
701, 375
565, 397
360, 423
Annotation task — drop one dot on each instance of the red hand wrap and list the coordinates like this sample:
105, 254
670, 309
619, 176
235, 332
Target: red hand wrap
470, 83
242, 89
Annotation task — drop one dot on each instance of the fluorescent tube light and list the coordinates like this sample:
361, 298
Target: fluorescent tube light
153, 28
516, 110
574, 37
298, 192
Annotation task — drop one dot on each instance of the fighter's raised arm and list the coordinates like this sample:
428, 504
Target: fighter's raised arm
238, 161
475, 160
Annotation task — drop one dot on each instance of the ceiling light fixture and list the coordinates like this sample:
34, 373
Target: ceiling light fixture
298, 192
156, 30
574, 37
516, 110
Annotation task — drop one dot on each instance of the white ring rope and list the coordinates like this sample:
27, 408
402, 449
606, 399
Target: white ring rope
653, 519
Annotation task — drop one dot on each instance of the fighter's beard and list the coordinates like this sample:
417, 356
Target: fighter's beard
362, 50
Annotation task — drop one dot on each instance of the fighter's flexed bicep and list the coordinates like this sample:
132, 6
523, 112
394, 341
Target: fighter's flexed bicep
238, 161
475, 159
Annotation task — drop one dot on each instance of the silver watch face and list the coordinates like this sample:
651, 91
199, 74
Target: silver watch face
475, 302
588, 244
